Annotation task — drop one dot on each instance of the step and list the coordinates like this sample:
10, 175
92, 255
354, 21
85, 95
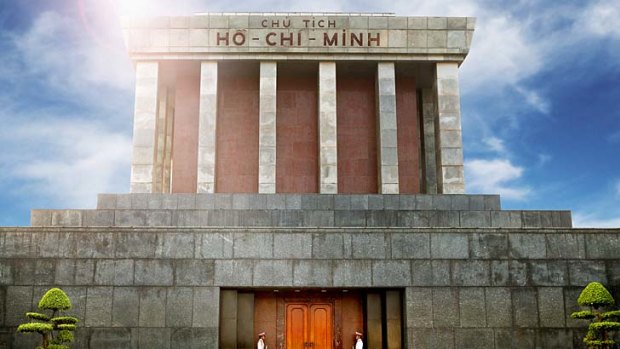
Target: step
302, 218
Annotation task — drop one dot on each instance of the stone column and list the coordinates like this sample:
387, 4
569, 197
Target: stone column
429, 114
387, 140
449, 143
160, 142
144, 125
167, 174
328, 132
267, 128
207, 119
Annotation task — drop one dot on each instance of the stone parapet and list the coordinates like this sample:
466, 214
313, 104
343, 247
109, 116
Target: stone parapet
241, 201
301, 218
300, 210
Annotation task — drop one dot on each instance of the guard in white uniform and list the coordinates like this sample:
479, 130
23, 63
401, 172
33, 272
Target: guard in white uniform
261, 341
358, 341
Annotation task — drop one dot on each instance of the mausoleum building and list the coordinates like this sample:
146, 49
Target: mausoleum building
301, 174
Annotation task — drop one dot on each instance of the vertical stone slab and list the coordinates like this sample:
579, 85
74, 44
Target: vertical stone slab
328, 135
393, 316
160, 141
144, 123
374, 319
245, 320
429, 114
167, 171
387, 147
228, 319
207, 119
185, 133
448, 138
267, 128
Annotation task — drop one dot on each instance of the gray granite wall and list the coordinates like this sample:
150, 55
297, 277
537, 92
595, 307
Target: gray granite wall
159, 287
301, 210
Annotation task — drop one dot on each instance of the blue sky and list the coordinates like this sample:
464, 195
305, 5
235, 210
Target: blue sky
540, 99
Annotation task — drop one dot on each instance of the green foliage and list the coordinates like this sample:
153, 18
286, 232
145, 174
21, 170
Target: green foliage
38, 316
57, 346
54, 330
38, 327
599, 333
65, 336
55, 299
584, 315
598, 343
614, 314
64, 320
605, 326
595, 295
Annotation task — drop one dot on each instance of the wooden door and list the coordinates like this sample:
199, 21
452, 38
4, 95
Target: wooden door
309, 326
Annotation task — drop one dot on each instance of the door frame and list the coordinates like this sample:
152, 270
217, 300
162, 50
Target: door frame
307, 297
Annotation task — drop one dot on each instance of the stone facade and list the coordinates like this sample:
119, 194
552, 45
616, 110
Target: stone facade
463, 287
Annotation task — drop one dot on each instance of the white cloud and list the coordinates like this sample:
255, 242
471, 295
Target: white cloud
495, 144
587, 220
72, 59
495, 176
65, 147
600, 18
501, 55
66, 161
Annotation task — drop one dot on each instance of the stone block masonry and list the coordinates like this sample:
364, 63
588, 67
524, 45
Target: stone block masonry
301, 210
160, 288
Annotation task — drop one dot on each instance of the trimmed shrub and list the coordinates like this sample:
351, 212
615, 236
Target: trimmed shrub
55, 299
54, 330
601, 328
38, 316
38, 327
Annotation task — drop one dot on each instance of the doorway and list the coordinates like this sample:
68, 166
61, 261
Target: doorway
311, 318
309, 325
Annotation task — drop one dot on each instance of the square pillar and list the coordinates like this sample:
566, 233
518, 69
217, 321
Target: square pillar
144, 127
449, 143
167, 165
429, 115
207, 120
387, 139
267, 128
328, 132
160, 142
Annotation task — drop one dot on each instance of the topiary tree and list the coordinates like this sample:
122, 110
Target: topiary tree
55, 330
596, 297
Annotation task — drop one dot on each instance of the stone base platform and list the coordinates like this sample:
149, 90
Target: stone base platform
301, 210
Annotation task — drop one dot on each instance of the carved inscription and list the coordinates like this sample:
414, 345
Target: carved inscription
300, 32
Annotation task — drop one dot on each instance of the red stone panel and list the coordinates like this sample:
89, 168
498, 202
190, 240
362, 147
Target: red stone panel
185, 136
237, 134
352, 317
265, 317
296, 135
357, 140
408, 135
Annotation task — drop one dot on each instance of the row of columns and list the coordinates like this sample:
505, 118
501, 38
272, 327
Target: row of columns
441, 126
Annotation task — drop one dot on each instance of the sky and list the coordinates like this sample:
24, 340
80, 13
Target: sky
540, 99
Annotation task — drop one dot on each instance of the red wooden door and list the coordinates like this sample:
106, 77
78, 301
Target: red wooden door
309, 326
